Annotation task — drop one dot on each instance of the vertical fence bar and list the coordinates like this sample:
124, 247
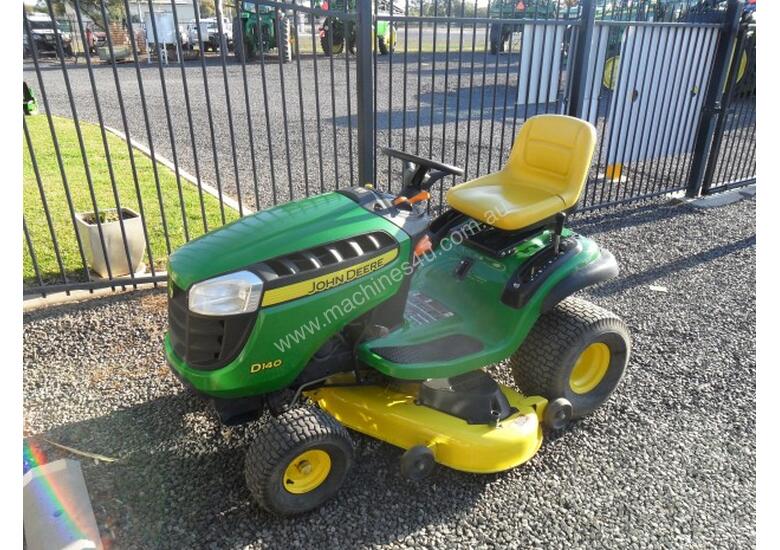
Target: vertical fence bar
712, 102
297, 51
331, 32
247, 104
471, 91
207, 95
457, 88
283, 99
365, 85
317, 98
446, 93
728, 96
33, 257
349, 116
274, 195
581, 57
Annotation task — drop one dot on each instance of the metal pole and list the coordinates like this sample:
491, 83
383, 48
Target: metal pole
719, 126
712, 101
581, 58
365, 93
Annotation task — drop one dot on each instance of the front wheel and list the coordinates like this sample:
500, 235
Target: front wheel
298, 461
383, 49
576, 351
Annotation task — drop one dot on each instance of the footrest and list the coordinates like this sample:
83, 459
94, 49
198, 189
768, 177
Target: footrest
446, 348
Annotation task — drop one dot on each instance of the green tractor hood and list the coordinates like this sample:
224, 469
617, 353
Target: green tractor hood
280, 230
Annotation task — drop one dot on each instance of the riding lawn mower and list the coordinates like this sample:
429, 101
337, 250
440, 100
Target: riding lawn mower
356, 310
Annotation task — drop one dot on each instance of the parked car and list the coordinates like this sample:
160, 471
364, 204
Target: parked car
44, 32
209, 33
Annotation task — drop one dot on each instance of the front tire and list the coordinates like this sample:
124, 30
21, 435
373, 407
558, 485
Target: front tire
285, 42
383, 49
299, 460
577, 351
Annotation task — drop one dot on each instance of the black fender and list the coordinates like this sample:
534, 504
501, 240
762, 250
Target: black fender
597, 271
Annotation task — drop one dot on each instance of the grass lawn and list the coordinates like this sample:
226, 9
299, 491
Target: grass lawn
51, 180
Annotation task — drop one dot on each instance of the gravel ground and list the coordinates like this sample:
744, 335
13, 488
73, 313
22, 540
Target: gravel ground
669, 461
304, 124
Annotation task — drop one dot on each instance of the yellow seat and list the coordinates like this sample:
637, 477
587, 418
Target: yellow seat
545, 174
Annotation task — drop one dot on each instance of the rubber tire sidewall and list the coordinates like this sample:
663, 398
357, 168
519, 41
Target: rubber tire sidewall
282, 439
541, 367
585, 404
286, 503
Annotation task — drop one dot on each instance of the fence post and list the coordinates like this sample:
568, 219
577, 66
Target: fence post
581, 56
712, 101
365, 93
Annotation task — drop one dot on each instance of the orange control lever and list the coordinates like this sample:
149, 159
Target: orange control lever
421, 196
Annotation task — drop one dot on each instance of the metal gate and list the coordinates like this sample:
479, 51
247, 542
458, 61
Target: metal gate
137, 114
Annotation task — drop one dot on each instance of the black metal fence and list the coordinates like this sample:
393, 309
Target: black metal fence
156, 129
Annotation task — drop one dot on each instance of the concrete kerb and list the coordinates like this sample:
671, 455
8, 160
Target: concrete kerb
207, 188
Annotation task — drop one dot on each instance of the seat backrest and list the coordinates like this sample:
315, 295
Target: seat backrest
553, 152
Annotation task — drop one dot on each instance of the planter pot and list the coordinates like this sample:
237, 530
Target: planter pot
112, 236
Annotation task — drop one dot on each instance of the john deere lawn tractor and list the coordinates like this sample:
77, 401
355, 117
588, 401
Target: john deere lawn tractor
356, 310
336, 33
259, 28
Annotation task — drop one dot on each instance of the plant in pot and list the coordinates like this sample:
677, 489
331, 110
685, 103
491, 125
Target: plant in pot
115, 257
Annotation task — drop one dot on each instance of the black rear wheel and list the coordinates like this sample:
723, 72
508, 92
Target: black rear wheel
496, 39
239, 48
298, 461
286, 40
382, 45
576, 351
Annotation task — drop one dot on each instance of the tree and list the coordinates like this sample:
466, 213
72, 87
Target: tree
207, 8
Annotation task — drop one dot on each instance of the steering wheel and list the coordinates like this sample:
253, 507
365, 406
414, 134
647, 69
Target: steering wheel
423, 178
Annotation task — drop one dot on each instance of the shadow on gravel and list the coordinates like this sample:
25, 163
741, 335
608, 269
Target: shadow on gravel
177, 467
611, 219
680, 264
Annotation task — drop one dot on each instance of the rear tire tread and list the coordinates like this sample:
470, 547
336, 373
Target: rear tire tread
536, 365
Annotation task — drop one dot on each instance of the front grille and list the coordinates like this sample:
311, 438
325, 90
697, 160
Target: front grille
205, 342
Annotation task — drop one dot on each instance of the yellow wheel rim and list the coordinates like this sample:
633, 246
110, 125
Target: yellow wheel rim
743, 62
611, 69
306, 471
590, 368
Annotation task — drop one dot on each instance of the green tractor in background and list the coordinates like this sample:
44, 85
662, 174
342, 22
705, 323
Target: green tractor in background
336, 33
501, 33
258, 28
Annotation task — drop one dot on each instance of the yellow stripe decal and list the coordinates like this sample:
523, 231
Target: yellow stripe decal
326, 282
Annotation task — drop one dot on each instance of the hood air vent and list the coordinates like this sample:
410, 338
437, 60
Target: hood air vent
324, 258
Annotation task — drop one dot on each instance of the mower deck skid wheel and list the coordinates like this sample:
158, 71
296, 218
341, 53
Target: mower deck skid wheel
577, 352
298, 461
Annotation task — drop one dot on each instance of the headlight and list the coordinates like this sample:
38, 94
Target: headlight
229, 294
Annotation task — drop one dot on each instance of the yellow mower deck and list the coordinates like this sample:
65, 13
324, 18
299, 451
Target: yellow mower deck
391, 415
